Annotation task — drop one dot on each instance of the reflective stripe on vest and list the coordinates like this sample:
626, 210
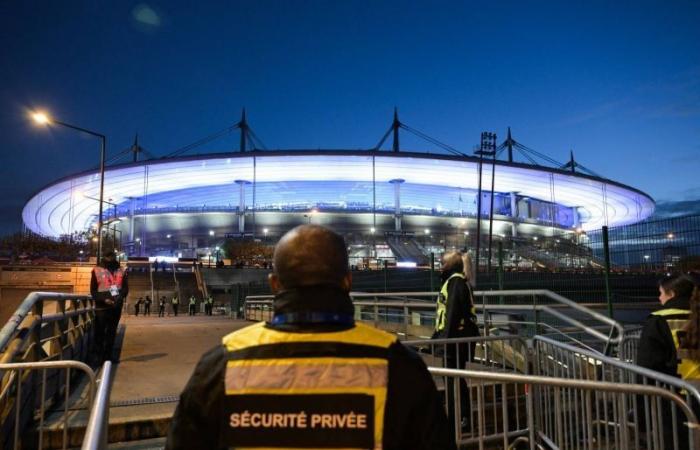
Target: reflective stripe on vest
105, 278
441, 309
687, 369
305, 390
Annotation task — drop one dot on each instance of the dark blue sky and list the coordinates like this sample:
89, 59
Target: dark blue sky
617, 82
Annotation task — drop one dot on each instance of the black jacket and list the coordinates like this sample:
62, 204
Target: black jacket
656, 348
414, 418
459, 321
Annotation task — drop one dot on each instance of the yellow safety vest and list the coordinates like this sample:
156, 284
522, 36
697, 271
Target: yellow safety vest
441, 308
677, 319
306, 390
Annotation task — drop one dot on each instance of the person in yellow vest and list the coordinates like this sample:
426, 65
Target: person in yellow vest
659, 345
312, 377
455, 317
108, 287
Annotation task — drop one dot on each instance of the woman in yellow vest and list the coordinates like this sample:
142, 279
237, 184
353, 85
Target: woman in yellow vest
659, 347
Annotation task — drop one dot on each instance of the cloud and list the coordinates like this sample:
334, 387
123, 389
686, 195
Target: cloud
146, 16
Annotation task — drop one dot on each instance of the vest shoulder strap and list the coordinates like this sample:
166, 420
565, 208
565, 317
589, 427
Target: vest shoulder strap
670, 312
260, 334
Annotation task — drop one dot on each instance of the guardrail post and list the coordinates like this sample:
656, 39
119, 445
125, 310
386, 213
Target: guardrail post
432, 272
606, 253
386, 276
500, 271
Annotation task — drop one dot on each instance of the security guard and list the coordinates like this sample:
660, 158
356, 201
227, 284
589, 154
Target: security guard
311, 377
455, 317
659, 341
108, 287
192, 308
660, 349
176, 303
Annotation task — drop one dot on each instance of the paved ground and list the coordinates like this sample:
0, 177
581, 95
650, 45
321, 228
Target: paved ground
156, 359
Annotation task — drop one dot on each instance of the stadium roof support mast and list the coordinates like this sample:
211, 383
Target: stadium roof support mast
243, 125
488, 148
395, 126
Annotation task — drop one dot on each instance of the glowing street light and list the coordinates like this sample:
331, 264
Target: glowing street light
372, 230
426, 231
211, 232
43, 118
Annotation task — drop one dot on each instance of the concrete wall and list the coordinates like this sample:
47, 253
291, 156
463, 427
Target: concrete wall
16, 282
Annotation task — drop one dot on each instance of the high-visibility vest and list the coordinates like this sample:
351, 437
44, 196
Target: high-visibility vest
441, 308
677, 319
106, 279
306, 390
193, 301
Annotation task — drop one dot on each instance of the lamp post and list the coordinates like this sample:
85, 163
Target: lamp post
43, 119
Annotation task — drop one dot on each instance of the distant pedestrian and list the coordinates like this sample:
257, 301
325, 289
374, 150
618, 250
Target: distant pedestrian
161, 307
137, 306
208, 305
147, 306
193, 304
176, 303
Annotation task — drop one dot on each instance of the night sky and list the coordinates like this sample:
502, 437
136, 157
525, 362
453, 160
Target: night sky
617, 82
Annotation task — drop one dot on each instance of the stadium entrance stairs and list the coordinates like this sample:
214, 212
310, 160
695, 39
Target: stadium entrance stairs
168, 281
405, 248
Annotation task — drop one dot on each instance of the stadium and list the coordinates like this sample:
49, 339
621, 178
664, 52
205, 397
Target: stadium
184, 206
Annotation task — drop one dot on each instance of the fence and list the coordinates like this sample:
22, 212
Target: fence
49, 332
558, 359
522, 312
671, 244
97, 427
565, 413
24, 394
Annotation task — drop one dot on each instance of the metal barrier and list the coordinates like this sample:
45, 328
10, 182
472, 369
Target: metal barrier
48, 332
525, 312
33, 335
97, 427
552, 358
19, 402
564, 413
490, 353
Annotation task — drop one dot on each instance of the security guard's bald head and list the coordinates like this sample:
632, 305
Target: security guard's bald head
310, 255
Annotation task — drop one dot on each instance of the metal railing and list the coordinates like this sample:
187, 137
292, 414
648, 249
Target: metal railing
97, 428
48, 332
25, 394
565, 414
525, 312
552, 358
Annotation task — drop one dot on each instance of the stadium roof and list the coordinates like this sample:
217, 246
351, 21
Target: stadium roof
69, 204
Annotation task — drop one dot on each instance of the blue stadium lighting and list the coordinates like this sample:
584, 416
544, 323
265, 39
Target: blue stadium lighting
326, 181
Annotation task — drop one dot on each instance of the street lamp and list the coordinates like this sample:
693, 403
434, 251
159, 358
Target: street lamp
42, 118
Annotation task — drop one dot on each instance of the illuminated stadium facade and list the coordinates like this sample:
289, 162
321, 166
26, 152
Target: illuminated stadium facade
182, 205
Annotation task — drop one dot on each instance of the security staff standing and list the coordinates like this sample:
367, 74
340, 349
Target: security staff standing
193, 303
455, 317
161, 307
311, 377
147, 306
176, 303
659, 343
108, 287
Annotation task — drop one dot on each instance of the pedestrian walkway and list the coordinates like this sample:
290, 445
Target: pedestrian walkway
156, 357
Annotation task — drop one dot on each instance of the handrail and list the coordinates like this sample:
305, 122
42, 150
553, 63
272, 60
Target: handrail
633, 368
642, 389
614, 338
8, 330
96, 431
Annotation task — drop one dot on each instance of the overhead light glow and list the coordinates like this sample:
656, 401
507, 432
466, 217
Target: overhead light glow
41, 118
